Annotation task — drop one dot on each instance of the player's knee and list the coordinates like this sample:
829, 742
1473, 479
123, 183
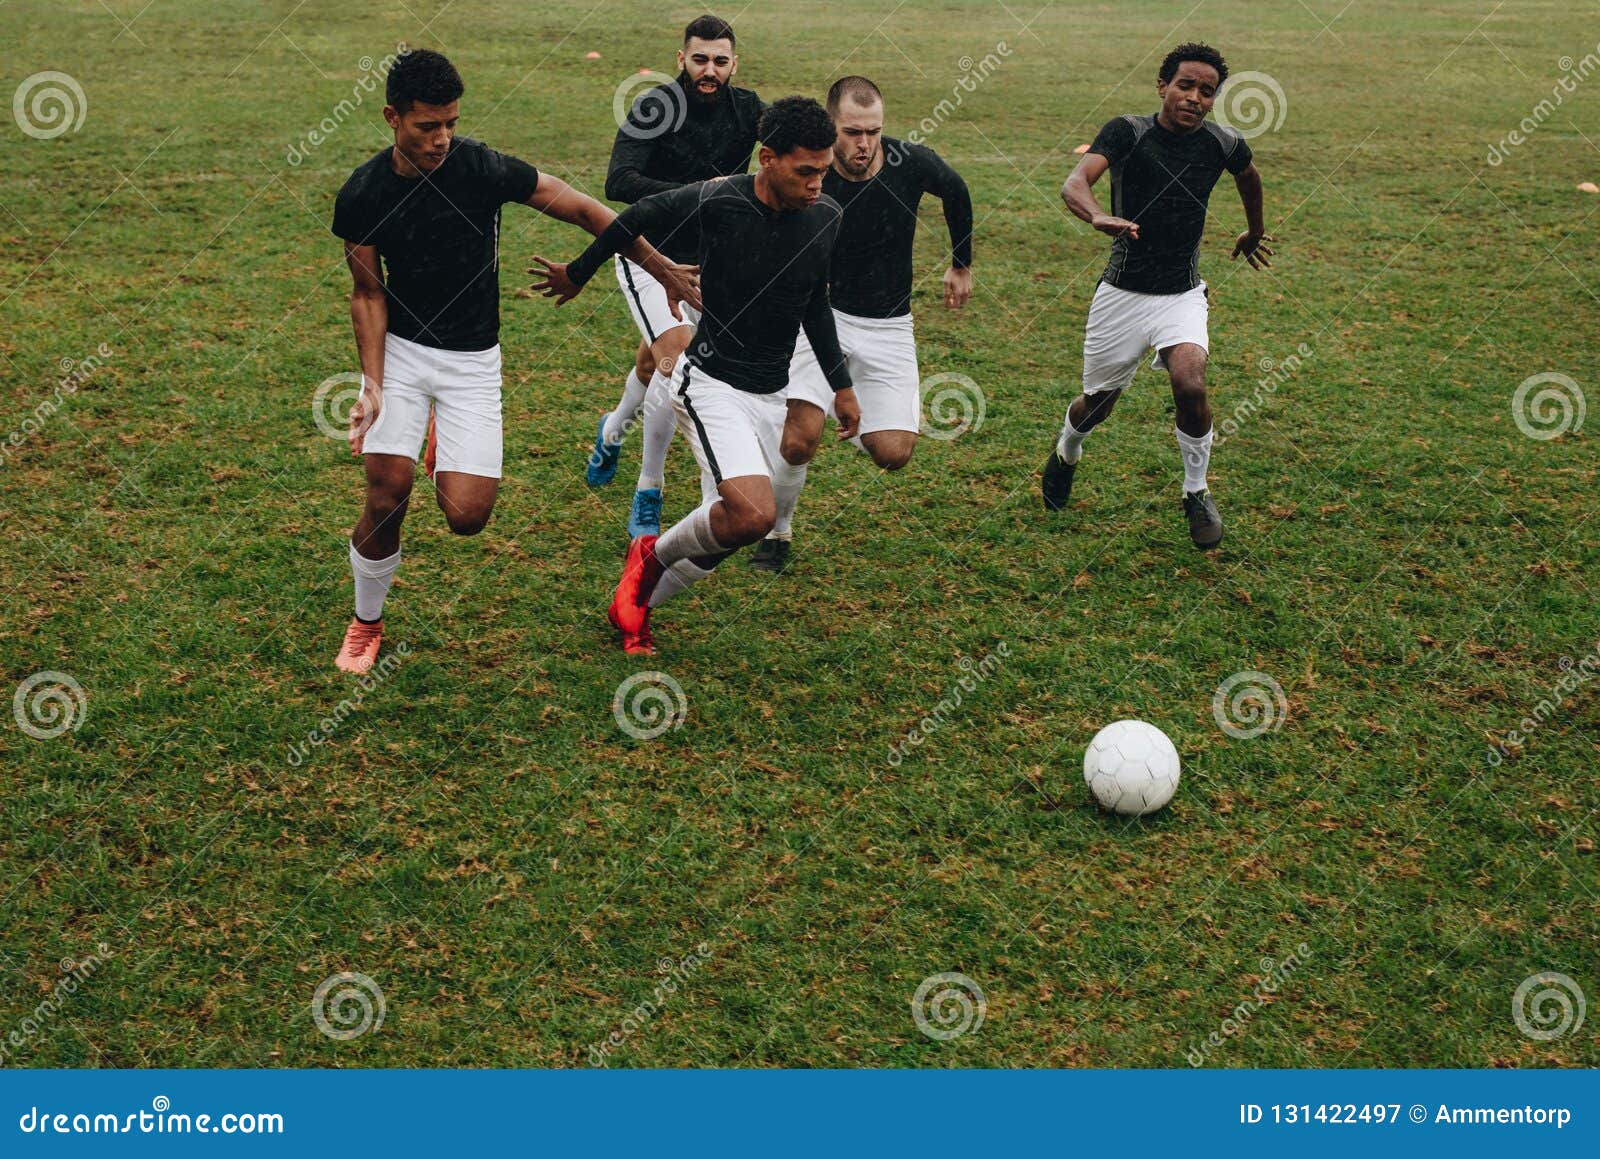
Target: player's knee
468, 522
387, 504
1189, 387
667, 349
798, 451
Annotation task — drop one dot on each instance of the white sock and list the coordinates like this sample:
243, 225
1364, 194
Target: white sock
632, 399
1069, 447
787, 481
659, 422
675, 579
689, 538
1196, 458
373, 577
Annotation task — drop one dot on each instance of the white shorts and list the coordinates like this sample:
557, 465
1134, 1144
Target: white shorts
733, 432
647, 301
1123, 326
881, 355
463, 387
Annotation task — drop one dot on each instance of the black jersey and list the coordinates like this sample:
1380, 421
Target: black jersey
1162, 180
763, 274
671, 138
871, 274
438, 236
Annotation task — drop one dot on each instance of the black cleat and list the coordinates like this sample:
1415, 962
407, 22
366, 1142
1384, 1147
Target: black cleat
1057, 485
1205, 525
771, 555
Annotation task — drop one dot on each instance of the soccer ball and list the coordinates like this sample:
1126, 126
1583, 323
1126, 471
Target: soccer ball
1131, 767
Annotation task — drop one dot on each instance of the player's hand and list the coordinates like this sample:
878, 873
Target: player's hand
848, 411
1254, 248
682, 284
555, 282
1116, 226
364, 413
957, 287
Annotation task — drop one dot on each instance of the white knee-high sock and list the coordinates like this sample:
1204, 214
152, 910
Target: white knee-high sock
787, 482
675, 579
689, 538
659, 422
1069, 447
632, 399
1196, 459
373, 577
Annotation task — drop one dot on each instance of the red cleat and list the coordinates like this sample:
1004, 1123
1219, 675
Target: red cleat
640, 643
430, 457
629, 612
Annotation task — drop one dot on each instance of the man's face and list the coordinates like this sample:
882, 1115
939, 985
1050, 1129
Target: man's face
423, 132
860, 136
796, 177
709, 65
1187, 97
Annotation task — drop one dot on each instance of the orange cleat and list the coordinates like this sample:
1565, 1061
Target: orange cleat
430, 457
361, 643
628, 612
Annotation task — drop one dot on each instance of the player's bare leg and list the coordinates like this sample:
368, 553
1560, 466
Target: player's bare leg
1186, 362
802, 434
644, 518
1086, 412
891, 450
375, 555
466, 500
614, 425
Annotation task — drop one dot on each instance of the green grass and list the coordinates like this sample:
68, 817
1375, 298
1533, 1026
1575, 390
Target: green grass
482, 840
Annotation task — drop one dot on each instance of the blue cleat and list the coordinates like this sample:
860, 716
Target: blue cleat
645, 518
603, 459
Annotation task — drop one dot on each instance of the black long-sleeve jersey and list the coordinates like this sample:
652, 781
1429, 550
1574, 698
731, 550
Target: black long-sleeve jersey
872, 273
763, 275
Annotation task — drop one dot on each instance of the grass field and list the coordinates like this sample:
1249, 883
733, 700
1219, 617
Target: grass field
1359, 885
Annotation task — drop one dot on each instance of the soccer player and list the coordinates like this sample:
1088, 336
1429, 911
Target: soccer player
1163, 168
878, 181
421, 228
765, 244
696, 128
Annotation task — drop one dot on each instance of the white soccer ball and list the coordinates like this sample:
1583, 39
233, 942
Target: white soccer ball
1131, 767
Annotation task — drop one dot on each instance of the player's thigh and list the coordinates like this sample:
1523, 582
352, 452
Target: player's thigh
807, 383
647, 302
1115, 338
890, 449
730, 438
802, 431
667, 350
466, 500
402, 420
749, 498
883, 365
468, 414
1179, 333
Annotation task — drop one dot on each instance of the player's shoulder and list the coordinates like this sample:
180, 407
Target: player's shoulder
828, 209
898, 151
364, 179
746, 99
1228, 139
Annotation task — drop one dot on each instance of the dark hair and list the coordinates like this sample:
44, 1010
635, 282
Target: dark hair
796, 123
858, 88
422, 75
709, 27
1204, 53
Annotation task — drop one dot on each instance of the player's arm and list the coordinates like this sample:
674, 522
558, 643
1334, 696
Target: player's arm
1252, 242
824, 338
1078, 193
369, 314
946, 184
559, 200
630, 156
